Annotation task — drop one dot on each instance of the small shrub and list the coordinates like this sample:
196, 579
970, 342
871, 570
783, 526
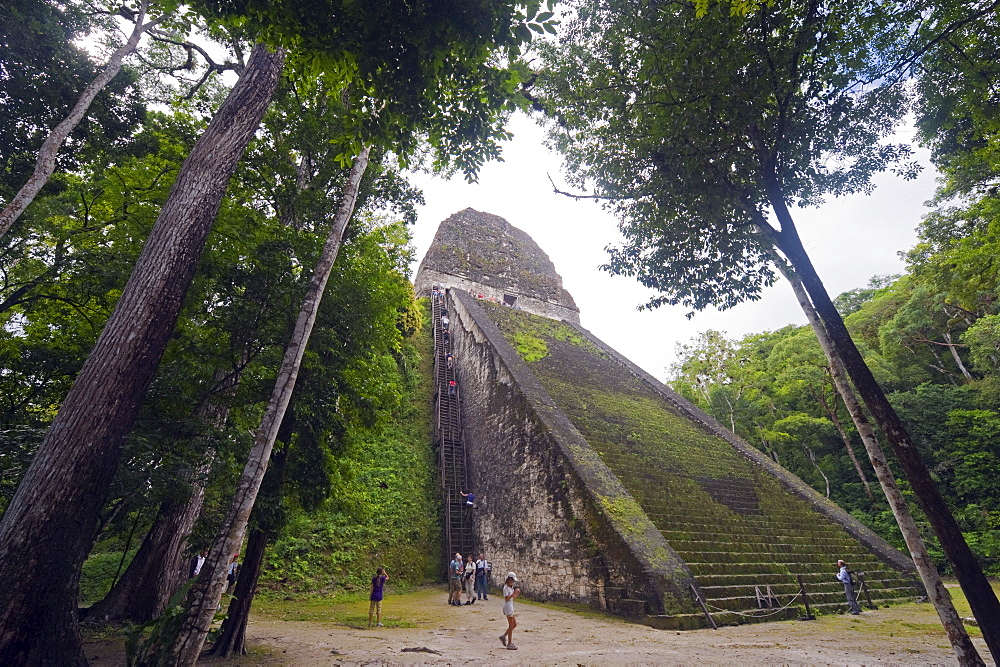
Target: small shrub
98, 574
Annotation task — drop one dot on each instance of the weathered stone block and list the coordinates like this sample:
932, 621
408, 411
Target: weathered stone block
488, 257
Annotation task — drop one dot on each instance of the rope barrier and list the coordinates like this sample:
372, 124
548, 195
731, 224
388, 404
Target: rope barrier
749, 615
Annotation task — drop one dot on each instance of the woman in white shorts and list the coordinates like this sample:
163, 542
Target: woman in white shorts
469, 580
509, 593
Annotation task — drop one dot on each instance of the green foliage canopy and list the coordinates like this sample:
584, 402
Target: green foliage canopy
437, 71
693, 130
41, 75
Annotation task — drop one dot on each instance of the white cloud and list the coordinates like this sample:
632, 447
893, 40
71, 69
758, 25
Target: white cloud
849, 240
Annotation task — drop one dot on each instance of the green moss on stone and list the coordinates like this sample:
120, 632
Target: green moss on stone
515, 323
530, 348
673, 467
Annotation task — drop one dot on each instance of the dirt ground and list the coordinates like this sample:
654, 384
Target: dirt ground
422, 629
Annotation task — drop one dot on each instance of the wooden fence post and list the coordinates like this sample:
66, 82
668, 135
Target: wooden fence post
805, 598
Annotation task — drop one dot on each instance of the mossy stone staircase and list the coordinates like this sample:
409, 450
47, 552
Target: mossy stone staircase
740, 530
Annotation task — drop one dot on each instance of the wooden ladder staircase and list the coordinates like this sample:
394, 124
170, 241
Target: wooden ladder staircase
448, 440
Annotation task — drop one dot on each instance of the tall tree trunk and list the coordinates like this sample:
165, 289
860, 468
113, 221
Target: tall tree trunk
978, 591
831, 412
46, 162
938, 595
46, 532
159, 567
232, 635
957, 358
203, 598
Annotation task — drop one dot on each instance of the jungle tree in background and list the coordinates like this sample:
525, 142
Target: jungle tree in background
203, 598
410, 73
34, 35
288, 183
701, 132
347, 381
53, 513
926, 569
45, 164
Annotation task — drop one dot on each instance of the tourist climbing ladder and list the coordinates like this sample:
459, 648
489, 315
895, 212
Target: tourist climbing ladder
448, 439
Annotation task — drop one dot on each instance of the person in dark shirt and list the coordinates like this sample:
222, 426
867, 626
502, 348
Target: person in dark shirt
375, 598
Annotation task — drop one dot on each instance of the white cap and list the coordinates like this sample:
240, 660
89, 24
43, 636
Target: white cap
511, 575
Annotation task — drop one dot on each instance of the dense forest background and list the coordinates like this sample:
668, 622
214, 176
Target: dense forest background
931, 336
358, 483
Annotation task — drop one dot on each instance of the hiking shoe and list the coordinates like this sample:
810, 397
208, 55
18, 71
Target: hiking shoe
503, 639
380, 626
511, 647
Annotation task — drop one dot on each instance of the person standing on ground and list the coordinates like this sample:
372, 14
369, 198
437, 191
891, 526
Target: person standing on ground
375, 597
233, 572
469, 580
482, 577
510, 591
844, 575
455, 571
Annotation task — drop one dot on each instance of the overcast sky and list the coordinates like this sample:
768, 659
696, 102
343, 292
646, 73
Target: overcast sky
849, 239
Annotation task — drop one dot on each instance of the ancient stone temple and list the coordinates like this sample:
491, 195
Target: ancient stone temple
485, 255
598, 484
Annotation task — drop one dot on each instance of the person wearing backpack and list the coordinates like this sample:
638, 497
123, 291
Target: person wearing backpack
844, 576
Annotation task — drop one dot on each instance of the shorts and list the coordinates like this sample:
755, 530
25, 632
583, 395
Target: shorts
455, 585
375, 607
508, 609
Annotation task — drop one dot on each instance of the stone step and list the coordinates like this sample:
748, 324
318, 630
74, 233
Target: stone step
785, 591
710, 542
812, 568
699, 620
707, 539
817, 599
738, 615
779, 552
759, 579
756, 522
762, 524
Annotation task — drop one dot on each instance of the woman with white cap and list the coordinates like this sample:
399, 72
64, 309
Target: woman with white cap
509, 593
